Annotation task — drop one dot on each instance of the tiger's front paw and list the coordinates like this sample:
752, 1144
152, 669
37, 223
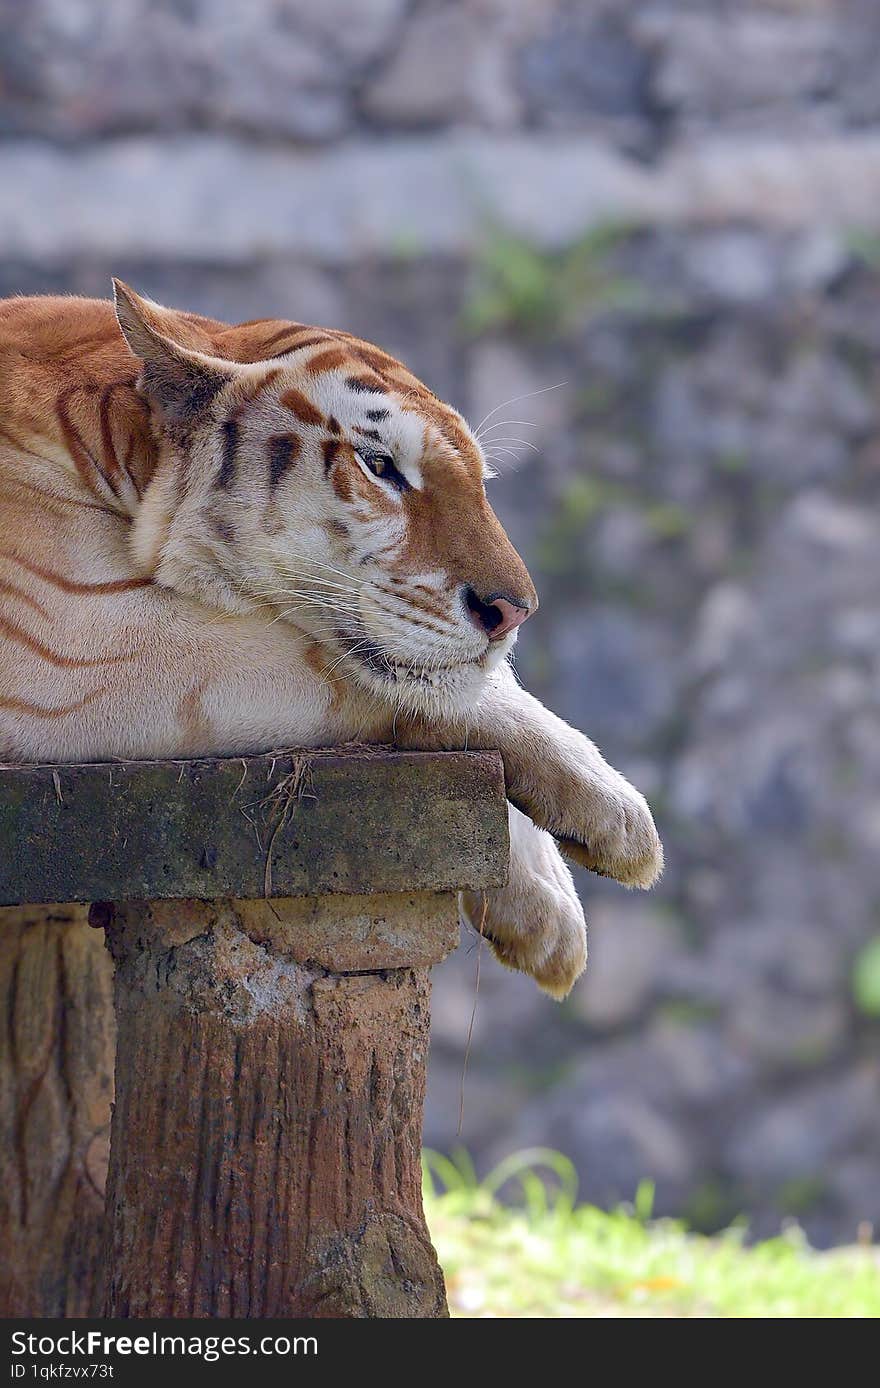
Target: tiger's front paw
616, 835
599, 820
535, 923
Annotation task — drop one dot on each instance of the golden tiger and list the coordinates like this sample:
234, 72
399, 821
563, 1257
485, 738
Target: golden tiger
221, 540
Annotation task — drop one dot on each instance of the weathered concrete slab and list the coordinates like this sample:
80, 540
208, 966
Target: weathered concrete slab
360, 821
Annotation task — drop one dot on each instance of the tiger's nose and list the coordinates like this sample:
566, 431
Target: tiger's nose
496, 615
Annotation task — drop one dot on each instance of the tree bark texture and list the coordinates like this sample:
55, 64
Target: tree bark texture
56, 1088
270, 1083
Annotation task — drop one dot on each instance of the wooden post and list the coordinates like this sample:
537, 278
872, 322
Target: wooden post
267, 1131
273, 923
56, 1086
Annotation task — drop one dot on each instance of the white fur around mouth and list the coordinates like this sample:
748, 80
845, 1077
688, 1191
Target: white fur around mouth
400, 671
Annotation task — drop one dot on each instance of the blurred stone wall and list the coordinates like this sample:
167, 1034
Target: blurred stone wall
669, 211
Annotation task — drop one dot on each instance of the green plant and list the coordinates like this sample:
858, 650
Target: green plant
521, 286
866, 978
527, 1170
582, 500
711, 1207
667, 521
801, 1194
864, 246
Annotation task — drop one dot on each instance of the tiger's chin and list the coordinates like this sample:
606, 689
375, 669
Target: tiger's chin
428, 689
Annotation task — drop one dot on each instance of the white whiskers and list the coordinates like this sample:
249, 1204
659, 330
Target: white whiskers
514, 399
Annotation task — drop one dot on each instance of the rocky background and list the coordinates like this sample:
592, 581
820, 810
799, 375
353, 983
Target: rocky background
669, 212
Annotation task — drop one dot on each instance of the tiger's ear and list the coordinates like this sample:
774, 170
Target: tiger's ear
178, 382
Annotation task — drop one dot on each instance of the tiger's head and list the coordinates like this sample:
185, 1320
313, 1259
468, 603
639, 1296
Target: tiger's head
306, 472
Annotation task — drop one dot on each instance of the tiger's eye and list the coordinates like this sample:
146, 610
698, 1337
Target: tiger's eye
383, 465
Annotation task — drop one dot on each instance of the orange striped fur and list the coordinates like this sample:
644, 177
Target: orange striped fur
193, 553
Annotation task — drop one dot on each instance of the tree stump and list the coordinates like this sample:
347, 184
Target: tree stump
272, 949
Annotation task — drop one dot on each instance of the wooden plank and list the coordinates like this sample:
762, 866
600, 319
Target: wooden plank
357, 821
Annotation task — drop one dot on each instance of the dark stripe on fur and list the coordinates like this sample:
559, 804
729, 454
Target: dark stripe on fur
226, 476
222, 529
362, 385
283, 453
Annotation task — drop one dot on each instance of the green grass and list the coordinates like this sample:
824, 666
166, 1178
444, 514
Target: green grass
554, 1258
